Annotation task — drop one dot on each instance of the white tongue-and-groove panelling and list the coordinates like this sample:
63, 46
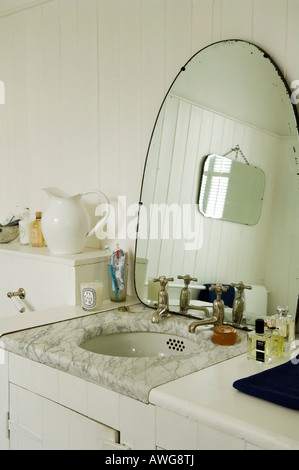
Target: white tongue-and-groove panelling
84, 80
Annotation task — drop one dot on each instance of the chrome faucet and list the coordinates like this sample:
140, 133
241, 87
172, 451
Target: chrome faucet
238, 304
163, 303
185, 296
218, 310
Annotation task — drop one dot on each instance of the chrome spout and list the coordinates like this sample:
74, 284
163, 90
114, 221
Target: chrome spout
209, 321
159, 314
195, 307
218, 310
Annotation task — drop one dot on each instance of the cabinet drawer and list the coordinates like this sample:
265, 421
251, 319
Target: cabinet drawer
38, 423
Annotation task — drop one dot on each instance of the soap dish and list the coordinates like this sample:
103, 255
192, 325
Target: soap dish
8, 233
225, 335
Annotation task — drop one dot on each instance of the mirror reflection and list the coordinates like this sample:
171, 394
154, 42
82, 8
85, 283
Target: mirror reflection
231, 190
230, 92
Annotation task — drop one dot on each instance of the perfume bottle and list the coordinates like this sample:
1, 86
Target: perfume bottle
36, 234
286, 325
277, 340
259, 343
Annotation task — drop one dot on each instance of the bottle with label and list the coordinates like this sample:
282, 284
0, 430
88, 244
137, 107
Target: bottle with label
259, 343
277, 341
36, 234
286, 325
24, 227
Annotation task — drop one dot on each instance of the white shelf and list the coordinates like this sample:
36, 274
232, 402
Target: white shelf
88, 256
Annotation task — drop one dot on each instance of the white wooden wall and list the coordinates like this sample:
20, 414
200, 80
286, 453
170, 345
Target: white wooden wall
84, 80
224, 252
210, 260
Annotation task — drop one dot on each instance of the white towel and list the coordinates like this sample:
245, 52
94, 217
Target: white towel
256, 300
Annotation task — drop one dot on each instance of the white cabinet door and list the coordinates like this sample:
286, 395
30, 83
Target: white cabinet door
48, 281
46, 284
38, 423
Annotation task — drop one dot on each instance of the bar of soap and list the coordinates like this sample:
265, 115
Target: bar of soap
225, 335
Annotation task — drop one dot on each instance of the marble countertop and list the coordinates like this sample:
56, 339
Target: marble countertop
197, 386
58, 345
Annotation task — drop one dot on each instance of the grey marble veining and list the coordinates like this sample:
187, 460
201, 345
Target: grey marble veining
58, 345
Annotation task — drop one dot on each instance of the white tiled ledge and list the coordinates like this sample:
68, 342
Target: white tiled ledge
207, 397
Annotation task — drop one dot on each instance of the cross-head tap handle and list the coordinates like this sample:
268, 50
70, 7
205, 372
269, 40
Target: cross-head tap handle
219, 289
187, 279
163, 281
241, 286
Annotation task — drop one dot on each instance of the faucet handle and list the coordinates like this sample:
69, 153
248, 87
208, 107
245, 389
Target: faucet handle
219, 289
187, 279
241, 286
163, 281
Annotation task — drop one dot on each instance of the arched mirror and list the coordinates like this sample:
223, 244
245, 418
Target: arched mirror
231, 101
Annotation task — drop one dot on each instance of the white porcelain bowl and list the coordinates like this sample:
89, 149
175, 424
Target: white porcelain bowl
140, 344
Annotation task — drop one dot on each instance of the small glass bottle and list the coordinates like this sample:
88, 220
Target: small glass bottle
259, 343
277, 343
281, 319
277, 340
24, 227
36, 234
290, 343
286, 325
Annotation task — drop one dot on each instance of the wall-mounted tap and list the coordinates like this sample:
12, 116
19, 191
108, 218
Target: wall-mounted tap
218, 309
185, 296
238, 305
163, 302
17, 298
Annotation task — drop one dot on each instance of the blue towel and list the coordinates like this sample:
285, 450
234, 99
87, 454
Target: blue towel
279, 385
210, 295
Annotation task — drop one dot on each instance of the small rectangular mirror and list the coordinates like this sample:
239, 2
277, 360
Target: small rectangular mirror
231, 190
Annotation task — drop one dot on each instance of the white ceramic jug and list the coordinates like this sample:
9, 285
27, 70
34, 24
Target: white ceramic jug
66, 223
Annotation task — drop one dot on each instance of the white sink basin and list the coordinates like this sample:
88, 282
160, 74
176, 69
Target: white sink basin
140, 344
